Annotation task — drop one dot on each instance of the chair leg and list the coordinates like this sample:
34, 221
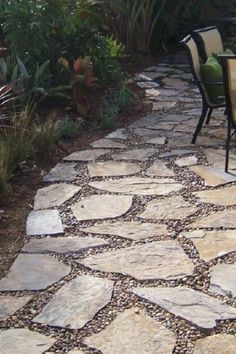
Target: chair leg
200, 123
209, 115
227, 149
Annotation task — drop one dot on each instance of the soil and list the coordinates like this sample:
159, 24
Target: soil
28, 177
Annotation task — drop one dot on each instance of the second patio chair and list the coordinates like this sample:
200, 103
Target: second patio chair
207, 104
208, 41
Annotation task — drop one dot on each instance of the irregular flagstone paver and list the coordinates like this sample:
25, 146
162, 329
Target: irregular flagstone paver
24, 341
224, 196
112, 168
158, 168
44, 222
138, 185
192, 305
142, 77
160, 140
162, 126
33, 272
117, 134
212, 176
86, 155
176, 153
148, 84
216, 344
175, 83
225, 219
156, 260
107, 143
62, 172
163, 105
134, 230
223, 279
62, 244
186, 161
133, 332
75, 352
217, 158
213, 244
145, 133
148, 119
169, 208
54, 195
10, 304
101, 206
135, 154
77, 302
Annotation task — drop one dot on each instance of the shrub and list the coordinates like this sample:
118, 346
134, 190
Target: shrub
67, 128
44, 137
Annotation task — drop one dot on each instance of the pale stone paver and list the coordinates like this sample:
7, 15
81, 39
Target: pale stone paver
225, 218
192, 305
168, 208
217, 158
10, 304
108, 143
54, 195
62, 244
224, 196
62, 172
223, 279
158, 168
133, 332
172, 153
147, 84
44, 222
33, 272
186, 161
24, 341
101, 206
146, 133
64, 310
157, 106
75, 351
156, 260
213, 244
117, 134
135, 154
86, 155
138, 185
213, 176
160, 140
216, 344
134, 230
112, 168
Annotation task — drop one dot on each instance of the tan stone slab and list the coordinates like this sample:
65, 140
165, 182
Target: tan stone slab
62, 172
86, 155
135, 154
212, 176
157, 106
112, 168
75, 351
177, 84
156, 260
194, 306
107, 143
134, 230
10, 304
158, 168
186, 161
213, 244
62, 244
117, 134
225, 196
24, 341
169, 208
225, 219
54, 195
77, 302
146, 133
160, 140
101, 206
133, 332
138, 185
223, 279
216, 344
216, 157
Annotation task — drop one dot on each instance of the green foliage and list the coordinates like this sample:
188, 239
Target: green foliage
67, 128
44, 137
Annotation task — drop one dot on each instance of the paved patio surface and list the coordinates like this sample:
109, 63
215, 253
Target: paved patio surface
130, 247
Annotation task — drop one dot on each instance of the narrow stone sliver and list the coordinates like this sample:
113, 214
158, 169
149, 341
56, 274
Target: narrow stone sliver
131, 245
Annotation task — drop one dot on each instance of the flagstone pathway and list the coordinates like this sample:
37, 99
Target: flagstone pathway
131, 244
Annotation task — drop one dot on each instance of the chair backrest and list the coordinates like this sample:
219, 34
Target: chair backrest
194, 61
229, 71
209, 41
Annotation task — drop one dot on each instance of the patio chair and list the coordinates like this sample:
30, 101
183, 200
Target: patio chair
209, 41
207, 105
229, 72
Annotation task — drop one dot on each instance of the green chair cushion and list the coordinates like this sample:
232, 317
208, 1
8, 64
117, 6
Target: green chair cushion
211, 74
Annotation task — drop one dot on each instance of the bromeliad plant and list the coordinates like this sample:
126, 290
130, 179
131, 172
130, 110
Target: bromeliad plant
81, 77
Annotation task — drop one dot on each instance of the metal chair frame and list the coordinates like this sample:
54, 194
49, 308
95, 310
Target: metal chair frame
207, 106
